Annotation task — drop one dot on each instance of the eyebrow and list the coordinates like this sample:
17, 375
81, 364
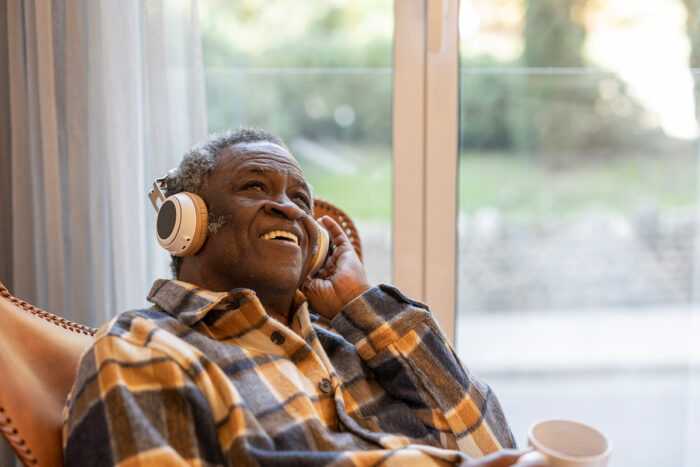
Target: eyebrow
267, 170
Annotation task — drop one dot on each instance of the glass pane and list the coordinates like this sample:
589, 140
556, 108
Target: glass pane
319, 75
578, 201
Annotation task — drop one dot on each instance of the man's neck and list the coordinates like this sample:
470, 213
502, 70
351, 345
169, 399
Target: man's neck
278, 302
278, 306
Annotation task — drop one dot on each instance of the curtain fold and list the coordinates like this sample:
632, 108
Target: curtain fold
6, 264
98, 99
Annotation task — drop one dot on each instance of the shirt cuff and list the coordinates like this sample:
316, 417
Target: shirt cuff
381, 315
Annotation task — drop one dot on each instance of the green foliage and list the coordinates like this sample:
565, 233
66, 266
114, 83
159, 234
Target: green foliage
693, 30
552, 37
547, 103
280, 33
291, 67
294, 105
555, 116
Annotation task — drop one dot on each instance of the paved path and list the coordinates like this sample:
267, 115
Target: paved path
635, 374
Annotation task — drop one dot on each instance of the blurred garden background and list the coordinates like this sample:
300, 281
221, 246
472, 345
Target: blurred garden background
570, 110
578, 272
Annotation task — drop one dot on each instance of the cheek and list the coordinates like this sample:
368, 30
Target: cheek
227, 223
223, 240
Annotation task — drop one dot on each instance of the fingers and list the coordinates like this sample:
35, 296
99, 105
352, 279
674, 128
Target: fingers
508, 457
503, 458
532, 459
343, 275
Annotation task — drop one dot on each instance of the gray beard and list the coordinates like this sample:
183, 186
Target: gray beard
215, 223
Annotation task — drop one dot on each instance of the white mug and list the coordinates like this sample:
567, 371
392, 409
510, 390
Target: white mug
565, 443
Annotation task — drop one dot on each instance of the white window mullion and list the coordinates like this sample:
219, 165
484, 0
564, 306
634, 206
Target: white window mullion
442, 141
409, 147
425, 141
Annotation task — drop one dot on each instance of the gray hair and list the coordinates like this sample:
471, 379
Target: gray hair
200, 161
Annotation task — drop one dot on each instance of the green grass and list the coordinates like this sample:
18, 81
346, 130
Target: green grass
365, 194
521, 188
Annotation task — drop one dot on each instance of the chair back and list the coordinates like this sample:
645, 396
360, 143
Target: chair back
38, 361
324, 208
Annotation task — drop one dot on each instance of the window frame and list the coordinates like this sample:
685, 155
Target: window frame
425, 150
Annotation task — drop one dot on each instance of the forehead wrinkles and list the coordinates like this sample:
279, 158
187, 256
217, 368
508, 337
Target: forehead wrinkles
259, 150
239, 160
263, 148
292, 172
266, 164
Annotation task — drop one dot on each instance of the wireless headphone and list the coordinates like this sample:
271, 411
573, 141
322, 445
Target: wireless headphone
181, 225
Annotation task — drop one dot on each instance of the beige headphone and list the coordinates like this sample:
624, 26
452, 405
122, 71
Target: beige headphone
181, 225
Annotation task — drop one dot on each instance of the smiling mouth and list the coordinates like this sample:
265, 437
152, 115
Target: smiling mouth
281, 235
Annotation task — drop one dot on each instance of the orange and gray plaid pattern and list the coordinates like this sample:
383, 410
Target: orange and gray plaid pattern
205, 378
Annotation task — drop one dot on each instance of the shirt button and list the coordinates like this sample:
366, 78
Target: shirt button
277, 338
325, 385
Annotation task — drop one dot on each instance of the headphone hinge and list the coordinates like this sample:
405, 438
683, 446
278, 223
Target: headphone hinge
157, 194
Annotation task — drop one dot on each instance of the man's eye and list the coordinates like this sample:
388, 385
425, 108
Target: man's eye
256, 186
303, 199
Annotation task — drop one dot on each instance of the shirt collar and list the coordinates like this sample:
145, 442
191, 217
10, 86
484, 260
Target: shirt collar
190, 304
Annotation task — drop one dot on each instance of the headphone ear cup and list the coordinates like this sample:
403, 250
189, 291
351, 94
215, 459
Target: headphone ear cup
324, 245
182, 224
201, 225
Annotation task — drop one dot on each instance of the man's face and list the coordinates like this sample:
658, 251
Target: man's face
269, 236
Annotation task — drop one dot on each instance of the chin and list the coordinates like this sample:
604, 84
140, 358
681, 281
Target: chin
282, 280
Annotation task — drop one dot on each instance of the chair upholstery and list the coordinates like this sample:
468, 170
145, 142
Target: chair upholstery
38, 361
39, 356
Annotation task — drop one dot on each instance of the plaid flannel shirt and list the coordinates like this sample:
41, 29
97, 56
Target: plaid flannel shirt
205, 378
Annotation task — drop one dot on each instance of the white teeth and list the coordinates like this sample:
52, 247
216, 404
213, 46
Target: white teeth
280, 233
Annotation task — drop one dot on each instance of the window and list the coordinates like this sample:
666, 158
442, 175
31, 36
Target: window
548, 155
578, 201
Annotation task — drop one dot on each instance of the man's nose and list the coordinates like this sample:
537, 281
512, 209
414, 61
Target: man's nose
283, 206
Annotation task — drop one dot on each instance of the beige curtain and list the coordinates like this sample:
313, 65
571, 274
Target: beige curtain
98, 98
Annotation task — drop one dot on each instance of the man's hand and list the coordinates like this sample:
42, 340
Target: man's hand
509, 457
340, 280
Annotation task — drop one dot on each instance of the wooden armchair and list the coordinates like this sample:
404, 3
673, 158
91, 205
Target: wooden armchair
39, 356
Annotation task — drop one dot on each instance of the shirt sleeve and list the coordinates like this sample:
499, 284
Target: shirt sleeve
401, 342
134, 405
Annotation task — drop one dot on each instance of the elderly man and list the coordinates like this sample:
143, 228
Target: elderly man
245, 360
